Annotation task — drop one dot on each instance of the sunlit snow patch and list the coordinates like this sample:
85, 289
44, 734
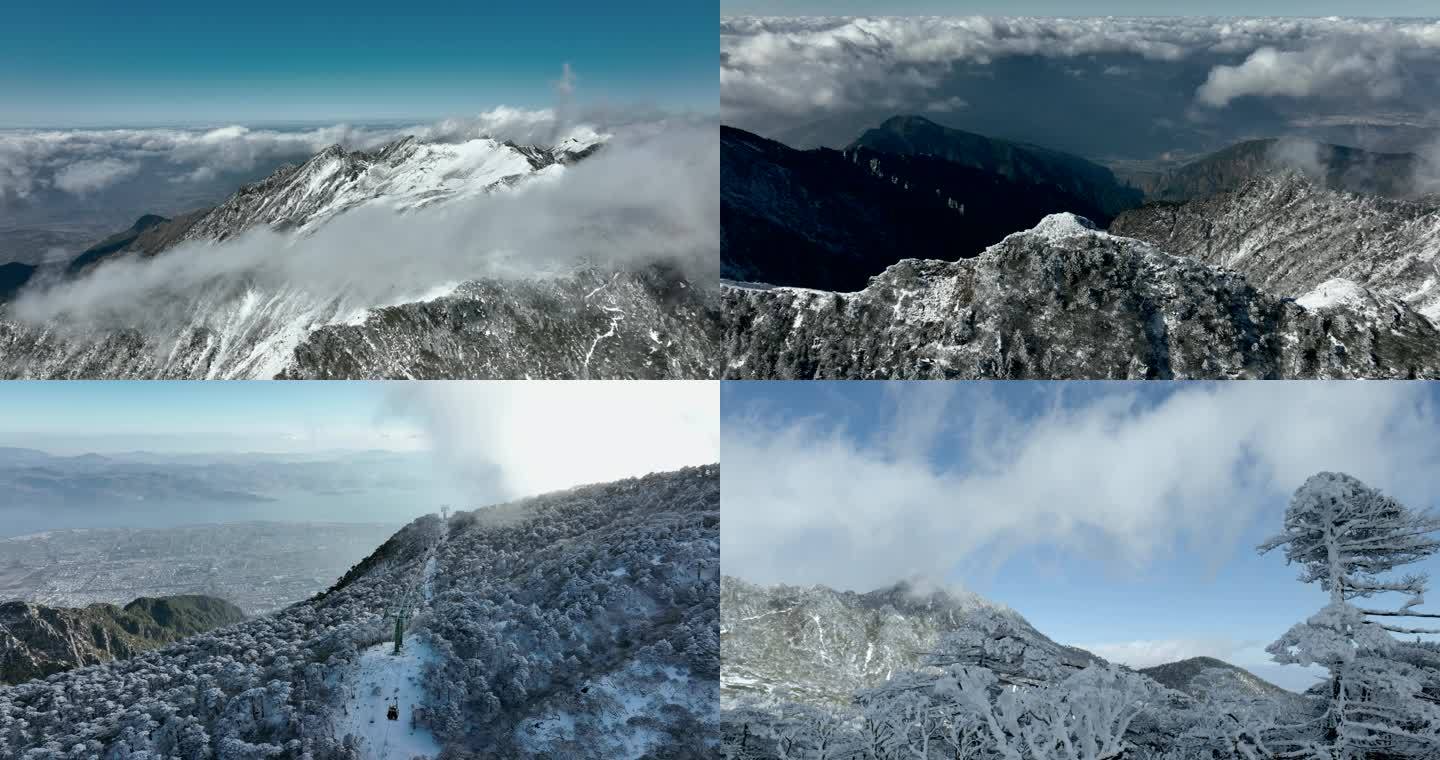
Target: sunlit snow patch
621, 713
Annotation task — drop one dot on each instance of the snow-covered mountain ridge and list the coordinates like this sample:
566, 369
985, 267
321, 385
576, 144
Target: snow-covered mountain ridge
405, 174
1067, 301
607, 319
575, 624
1290, 236
819, 646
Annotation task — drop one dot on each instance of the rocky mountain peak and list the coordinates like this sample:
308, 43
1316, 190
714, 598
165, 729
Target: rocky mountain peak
1064, 301
818, 645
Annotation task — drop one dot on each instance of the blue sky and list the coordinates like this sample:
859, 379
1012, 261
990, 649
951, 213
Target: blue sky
101, 417
533, 436
1071, 8
102, 63
1118, 516
475, 442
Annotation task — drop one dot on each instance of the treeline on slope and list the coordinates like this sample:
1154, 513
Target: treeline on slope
261, 688
573, 604
1380, 701
505, 595
37, 640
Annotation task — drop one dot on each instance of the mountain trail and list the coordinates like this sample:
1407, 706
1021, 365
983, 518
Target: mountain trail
385, 677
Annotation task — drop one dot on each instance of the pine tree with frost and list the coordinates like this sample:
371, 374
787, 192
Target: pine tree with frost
1346, 537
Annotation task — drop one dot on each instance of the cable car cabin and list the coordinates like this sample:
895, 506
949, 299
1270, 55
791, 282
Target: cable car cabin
393, 713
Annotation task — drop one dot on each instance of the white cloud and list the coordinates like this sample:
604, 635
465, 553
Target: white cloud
810, 502
71, 160
84, 177
1331, 70
649, 196
511, 439
804, 68
79, 161
566, 84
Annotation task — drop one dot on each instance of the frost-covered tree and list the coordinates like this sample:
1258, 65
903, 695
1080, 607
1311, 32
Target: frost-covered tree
1346, 537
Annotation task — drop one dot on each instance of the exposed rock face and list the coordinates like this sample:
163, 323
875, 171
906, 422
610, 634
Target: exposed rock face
820, 646
633, 325
37, 641
1289, 236
1066, 301
650, 323
640, 322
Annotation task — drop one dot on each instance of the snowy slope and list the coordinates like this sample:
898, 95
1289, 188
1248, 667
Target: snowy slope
820, 646
1067, 301
592, 633
649, 321
380, 679
383, 677
519, 621
1289, 236
405, 175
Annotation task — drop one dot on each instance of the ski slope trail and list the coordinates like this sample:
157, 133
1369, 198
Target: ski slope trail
383, 678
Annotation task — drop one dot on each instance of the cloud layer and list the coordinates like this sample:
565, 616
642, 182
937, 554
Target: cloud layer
503, 441
779, 74
951, 475
83, 161
649, 196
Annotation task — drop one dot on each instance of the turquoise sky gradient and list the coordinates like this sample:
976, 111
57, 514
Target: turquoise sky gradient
94, 63
1382, 8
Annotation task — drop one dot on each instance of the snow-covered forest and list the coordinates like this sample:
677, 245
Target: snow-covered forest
582, 623
1003, 697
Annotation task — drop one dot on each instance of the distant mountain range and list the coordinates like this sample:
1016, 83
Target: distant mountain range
1335, 167
1078, 179
1209, 678
815, 645
37, 641
831, 219
34, 478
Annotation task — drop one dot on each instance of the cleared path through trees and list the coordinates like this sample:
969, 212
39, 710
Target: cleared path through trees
383, 678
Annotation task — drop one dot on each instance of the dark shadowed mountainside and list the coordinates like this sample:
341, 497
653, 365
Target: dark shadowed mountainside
832, 219
37, 641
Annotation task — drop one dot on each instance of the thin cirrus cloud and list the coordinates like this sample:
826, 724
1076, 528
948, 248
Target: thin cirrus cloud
958, 477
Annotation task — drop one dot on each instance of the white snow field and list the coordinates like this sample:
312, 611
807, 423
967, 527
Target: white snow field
381, 679
385, 678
